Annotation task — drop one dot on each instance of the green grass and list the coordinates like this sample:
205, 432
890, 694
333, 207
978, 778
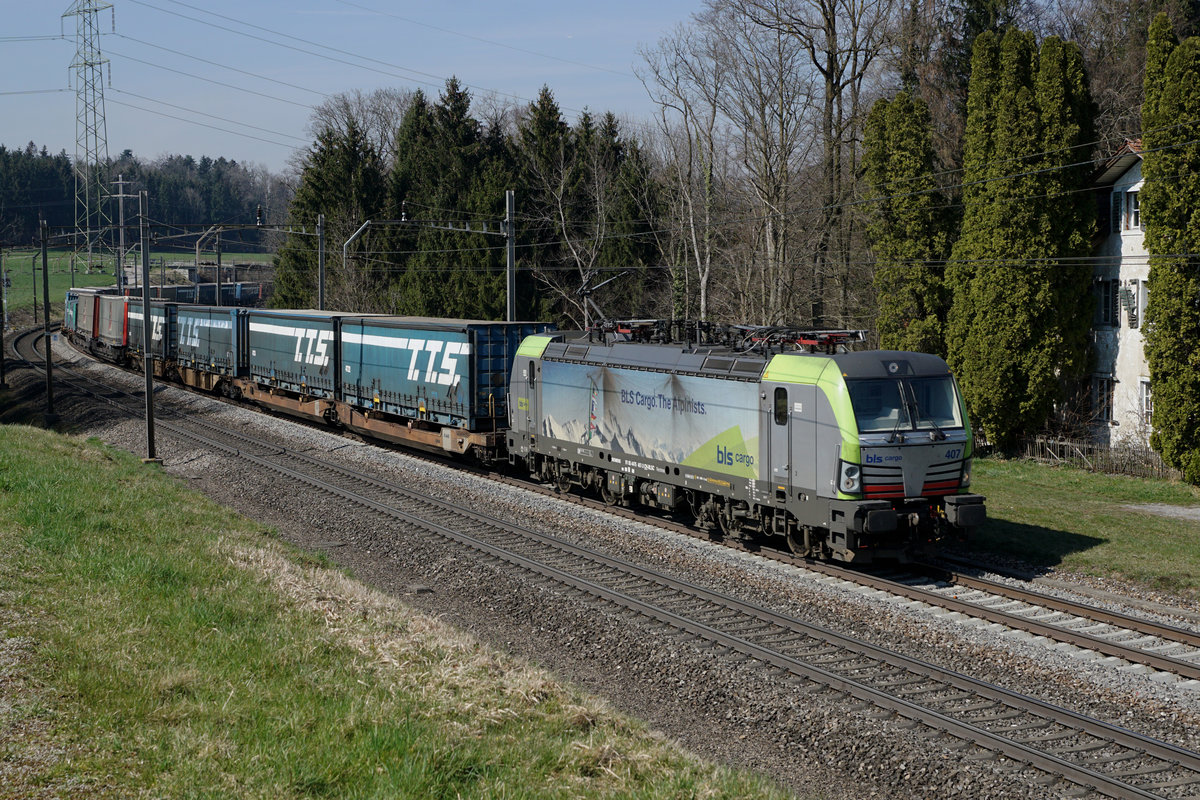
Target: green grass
1069, 518
21, 298
21, 294
154, 644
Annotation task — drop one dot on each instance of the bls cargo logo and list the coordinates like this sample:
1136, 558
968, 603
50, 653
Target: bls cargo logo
872, 458
729, 458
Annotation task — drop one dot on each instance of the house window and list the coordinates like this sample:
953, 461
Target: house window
1107, 303
1102, 397
1147, 402
1134, 219
1118, 209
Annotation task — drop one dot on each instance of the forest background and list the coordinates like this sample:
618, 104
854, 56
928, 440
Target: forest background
915, 168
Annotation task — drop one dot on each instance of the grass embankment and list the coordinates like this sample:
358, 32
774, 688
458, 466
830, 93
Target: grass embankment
152, 643
1073, 519
26, 281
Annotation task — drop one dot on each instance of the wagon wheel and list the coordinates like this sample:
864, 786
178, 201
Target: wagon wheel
795, 543
729, 524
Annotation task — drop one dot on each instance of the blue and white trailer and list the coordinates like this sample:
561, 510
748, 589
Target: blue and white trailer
444, 381
446, 372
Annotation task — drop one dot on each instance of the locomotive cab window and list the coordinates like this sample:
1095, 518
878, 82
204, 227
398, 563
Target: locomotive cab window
883, 405
935, 403
878, 406
781, 406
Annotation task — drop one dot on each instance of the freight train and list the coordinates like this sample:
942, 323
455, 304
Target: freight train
755, 435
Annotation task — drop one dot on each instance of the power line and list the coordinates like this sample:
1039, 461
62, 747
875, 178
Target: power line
202, 124
210, 116
485, 41
60, 37
34, 91
254, 75
210, 80
436, 81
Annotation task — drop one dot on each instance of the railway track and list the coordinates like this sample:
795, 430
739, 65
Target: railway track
982, 718
1127, 639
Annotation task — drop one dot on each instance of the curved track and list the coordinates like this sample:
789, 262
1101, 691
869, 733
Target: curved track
1093, 754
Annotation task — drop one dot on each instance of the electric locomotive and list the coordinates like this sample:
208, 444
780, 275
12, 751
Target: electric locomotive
851, 456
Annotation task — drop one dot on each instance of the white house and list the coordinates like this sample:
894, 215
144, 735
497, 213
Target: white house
1120, 386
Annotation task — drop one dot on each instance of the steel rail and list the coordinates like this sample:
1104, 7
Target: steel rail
1034, 597
1049, 762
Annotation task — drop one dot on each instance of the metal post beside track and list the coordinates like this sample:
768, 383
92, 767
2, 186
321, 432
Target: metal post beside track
218, 269
510, 233
147, 352
320, 262
50, 417
3, 317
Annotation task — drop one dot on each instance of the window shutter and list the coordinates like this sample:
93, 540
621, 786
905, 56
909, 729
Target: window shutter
1118, 204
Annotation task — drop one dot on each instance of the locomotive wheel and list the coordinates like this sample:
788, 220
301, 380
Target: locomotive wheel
729, 525
562, 481
609, 497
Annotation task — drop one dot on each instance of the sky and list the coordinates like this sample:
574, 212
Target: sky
239, 80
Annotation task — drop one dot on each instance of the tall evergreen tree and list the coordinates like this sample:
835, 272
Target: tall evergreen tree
449, 173
979, 162
1020, 312
907, 226
1169, 199
343, 179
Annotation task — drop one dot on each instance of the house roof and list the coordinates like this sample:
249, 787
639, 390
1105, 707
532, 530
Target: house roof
1120, 163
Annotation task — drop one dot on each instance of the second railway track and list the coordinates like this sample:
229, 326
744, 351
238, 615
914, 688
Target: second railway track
1090, 753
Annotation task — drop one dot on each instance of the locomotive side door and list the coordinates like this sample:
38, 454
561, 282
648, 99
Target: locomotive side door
779, 405
790, 433
525, 415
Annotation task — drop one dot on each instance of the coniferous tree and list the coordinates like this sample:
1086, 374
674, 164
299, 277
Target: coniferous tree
978, 164
907, 226
1020, 312
1169, 199
449, 174
341, 178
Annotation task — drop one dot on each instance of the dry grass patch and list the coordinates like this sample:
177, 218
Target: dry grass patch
177, 651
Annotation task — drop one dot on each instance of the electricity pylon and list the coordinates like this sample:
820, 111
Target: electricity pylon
92, 219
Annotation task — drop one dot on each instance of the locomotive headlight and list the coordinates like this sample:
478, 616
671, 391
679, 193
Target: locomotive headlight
966, 474
851, 480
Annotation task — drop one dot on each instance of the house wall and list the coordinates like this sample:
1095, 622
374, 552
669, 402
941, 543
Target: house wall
1122, 261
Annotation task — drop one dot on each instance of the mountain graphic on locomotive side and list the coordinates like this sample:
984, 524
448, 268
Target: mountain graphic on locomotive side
753, 433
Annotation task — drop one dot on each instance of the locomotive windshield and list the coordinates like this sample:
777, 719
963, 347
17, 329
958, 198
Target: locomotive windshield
885, 405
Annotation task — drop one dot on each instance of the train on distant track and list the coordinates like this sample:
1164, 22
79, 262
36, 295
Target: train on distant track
754, 434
